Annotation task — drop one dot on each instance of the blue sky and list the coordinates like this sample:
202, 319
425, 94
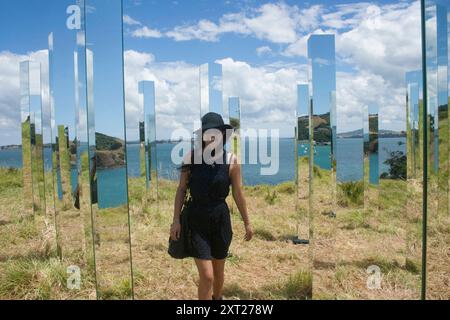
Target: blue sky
261, 45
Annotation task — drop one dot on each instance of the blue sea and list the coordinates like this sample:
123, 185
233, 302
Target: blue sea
349, 160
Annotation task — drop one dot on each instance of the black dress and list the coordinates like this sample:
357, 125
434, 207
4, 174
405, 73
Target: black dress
209, 215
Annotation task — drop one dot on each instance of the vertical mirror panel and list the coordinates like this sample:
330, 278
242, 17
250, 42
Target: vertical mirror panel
211, 97
141, 213
414, 177
50, 163
234, 144
107, 149
147, 90
321, 55
234, 114
302, 162
37, 150
436, 25
26, 139
83, 192
66, 92
371, 162
350, 160
372, 147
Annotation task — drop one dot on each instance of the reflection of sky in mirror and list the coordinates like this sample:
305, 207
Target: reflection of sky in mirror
24, 91
234, 108
147, 89
215, 88
321, 52
211, 88
442, 54
302, 100
103, 37
35, 108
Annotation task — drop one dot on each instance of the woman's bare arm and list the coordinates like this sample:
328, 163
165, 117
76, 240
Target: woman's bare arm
238, 195
175, 228
180, 195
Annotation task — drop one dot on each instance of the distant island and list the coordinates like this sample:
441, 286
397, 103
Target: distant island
381, 134
322, 132
11, 147
162, 141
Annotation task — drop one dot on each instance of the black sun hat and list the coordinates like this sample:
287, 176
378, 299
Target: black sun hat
214, 120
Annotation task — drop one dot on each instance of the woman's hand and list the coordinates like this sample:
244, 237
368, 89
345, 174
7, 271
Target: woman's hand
248, 232
175, 230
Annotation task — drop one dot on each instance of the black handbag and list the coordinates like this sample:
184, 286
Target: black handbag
182, 248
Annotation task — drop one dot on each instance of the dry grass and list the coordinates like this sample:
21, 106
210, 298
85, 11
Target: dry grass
268, 267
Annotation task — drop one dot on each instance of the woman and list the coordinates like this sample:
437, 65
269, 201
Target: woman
208, 173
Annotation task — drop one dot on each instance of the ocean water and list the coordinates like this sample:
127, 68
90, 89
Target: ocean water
349, 158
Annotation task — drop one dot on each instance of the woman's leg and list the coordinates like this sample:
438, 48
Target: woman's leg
219, 276
205, 271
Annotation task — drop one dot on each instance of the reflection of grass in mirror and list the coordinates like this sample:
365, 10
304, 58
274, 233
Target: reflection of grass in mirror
29, 266
112, 250
351, 193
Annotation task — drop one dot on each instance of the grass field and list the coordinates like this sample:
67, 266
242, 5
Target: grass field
268, 267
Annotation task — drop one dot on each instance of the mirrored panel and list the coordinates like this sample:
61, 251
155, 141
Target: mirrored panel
321, 55
234, 144
107, 148
211, 99
436, 25
414, 145
350, 160
371, 157
302, 156
50, 162
84, 194
72, 204
234, 114
26, 138
147, 90
37, 152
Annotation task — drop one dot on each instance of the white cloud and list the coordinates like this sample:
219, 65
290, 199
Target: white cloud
274, 22
355, 91
176, 88
146, 32
267, 94
260, 51
386, 42
130, 21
